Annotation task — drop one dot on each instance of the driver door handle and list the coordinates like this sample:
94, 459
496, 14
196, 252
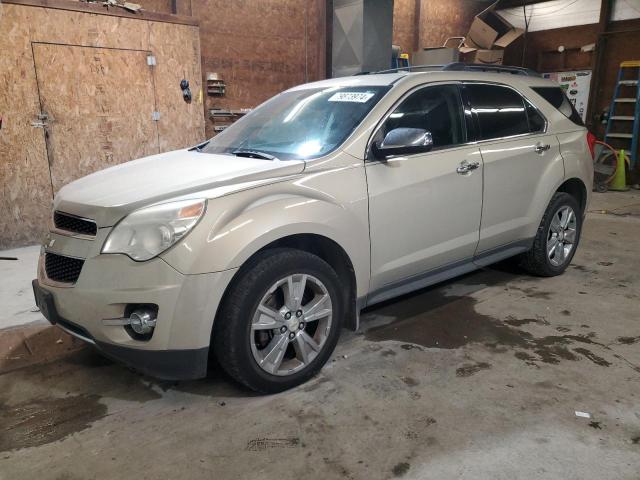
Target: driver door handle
466, 167
541, 148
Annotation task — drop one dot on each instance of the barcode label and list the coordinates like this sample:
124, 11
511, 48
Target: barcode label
357, 97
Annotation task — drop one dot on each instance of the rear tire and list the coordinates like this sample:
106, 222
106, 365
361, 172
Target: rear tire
557, 237
266, 335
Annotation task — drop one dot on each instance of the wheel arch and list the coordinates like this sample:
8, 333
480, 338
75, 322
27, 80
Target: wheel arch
320, 245
577, 189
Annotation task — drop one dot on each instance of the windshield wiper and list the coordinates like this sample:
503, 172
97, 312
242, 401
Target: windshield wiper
198, 148
253, 154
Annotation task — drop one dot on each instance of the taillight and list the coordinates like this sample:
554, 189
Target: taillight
591, 141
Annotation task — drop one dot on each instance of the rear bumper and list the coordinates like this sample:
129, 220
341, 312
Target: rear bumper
184, 364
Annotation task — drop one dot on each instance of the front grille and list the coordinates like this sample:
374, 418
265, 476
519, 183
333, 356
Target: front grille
62, 269
74, 224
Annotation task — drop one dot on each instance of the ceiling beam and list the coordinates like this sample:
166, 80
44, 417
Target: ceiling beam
518, 3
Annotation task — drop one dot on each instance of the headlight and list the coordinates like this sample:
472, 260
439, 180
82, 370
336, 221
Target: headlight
148, 232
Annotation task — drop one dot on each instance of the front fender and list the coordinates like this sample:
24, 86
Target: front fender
237, 226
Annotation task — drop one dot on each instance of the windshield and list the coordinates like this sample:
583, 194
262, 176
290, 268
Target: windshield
298, 124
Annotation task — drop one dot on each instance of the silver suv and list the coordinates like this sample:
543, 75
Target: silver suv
260, 244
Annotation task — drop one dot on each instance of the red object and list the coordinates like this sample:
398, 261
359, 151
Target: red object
591, 141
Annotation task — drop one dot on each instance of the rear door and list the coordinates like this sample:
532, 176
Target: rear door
520, 161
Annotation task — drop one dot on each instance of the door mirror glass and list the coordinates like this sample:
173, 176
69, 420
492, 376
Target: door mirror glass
404, 141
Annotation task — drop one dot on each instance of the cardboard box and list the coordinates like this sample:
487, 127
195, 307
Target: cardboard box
490, 30
449, 52
435, 56
484, 57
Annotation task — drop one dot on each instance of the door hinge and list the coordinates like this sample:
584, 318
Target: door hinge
155, 116
41, 122
151, 60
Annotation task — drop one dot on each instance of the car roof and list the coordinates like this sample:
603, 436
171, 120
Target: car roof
436, 75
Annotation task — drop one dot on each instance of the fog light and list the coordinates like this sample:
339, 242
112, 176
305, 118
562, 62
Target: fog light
143, 321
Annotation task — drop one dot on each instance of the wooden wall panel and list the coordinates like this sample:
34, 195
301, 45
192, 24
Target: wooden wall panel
78, 28
99, 121
183, 7
158, 6
25, 190
446, 18
404, 24
258, 47
439, 20
618, 48
570, 37
177, 48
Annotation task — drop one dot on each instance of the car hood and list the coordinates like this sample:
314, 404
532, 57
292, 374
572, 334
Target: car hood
108, 195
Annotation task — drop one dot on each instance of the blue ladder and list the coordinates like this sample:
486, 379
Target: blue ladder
628, 79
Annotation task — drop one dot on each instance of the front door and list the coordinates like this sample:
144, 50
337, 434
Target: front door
424, 210
102, 120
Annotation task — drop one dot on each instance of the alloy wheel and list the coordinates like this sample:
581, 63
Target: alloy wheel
291, 324
561, 237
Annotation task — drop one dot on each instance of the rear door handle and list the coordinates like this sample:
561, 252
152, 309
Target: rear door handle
466, 167
541, 148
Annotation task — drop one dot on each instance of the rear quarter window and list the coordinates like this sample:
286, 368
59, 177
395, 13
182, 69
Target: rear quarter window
556, 97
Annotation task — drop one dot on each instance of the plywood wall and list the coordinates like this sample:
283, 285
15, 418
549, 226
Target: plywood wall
160, 6
25, 185
439, 19
404, 24
618, 47
260, 47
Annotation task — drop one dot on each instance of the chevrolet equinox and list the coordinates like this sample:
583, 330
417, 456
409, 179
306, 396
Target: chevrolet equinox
260, 244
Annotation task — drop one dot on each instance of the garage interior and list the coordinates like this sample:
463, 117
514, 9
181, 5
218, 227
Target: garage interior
496, 374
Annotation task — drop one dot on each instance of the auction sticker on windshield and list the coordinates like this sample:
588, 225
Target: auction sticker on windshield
357, 97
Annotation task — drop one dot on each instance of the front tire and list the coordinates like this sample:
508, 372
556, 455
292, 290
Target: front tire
280, 321
557, 237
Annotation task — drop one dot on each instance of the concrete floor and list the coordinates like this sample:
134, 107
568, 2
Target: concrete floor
16, 295
478, 378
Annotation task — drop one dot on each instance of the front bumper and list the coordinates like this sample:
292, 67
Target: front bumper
165, 364
108, 284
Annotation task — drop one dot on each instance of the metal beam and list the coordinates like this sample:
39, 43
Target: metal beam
597, 61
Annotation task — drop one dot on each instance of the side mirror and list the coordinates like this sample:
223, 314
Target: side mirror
403, 141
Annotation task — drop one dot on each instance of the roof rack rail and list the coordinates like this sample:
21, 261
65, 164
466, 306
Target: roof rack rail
475, 67
460, 67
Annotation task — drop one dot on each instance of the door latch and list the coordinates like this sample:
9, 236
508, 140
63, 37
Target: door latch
466, 167
540, 148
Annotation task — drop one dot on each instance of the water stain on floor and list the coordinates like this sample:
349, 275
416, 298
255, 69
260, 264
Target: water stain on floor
471, 369
97, 375
517, 322
45, 421
410, 381
455, 323
592, 356
400, 469
532, 292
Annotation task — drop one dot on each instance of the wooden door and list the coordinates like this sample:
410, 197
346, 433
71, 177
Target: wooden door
97, 105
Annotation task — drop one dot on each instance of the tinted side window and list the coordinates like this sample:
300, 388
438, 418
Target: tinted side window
536, 120
500, 111
437, 109
556, 97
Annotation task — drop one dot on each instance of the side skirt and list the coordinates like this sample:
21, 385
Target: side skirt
443, 273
